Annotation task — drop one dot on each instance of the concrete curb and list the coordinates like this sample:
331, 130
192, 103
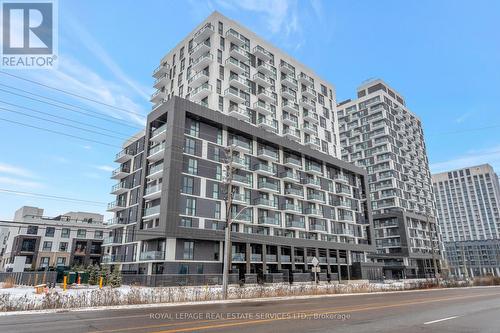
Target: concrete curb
244, 300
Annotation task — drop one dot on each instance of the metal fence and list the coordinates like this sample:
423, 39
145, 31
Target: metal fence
29, 278
170, 280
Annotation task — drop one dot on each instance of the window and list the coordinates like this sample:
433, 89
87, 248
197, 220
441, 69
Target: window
217, 210
81, 233
221, 28
221, 72
65, 232
190, 206
47, 246
188, 253
219, 136
61, 261
192, 167
222, 46
186, 222
215, 191
219, 56
28, 245
187, 184
63, 246
49, 232
98, 234
194, 128
218, 172
44, 262
190, 146
221, 102
219, 88
32, 230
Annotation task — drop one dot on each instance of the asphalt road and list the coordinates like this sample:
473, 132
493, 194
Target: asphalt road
451, 310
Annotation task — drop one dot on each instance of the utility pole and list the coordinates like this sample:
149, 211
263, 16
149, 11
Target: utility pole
466, 272
433, 229
227, 236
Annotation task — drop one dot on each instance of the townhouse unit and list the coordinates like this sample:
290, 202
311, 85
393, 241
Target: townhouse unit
379, 133
231, 108
71, 239
467, 202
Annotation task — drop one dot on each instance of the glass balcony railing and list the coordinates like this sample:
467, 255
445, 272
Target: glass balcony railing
152, 255
152, 210
268, 185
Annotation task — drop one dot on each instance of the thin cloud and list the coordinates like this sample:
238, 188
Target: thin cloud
489, 155
106, 168
16, 170
19, 183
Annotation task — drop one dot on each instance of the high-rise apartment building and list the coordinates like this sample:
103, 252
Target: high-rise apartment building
467, 202
231, 108
379, 133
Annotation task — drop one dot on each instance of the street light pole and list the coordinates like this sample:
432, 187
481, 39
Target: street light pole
227, 236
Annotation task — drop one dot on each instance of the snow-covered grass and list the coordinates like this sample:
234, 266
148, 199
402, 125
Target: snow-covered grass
24, 298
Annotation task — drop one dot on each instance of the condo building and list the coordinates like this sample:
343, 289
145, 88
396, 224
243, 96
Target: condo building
379, 133
40, 242
231, 108
467, 203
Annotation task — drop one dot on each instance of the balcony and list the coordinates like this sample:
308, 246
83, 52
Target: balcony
293, 162
264, 203
262, 53
287, 68
314, 168
160, 70
201, 92
112, 240
290, 120
263, 108
263, 80
238, 257
116, 222
239, 81
201, 35
155, 172
151, 212
241, 199
201, 62
234, 95
239, 53
309, 93
268, 186
244, 217
242, 180
264, 169
235, 37
296, 224
159, 134
294, 192
116, 206
311, 116
269, 220
235, 65
313, 143
268, 124
271, 258
290, 82
341, 178
306, 79
311, 182
119, 188
290, 176
288, 94
292, 133
152, 255
291, 208
241, 145
152, 192
317, 227
291, 107
285, 258
307, 103
267, 153
156, 152
267, 69
267, 95
120, 172
240, 162
313, 212
161, 81
310, 129
199, 49
316, 197
158, 96
239, 113
197, 79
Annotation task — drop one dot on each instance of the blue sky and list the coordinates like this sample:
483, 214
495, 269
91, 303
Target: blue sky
443, 56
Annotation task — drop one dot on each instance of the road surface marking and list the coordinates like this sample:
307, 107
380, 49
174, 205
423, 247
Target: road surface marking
439, 320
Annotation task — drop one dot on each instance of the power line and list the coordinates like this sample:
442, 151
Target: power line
71, 93
61, 123
116, 120
61, 117
61, 133
14, 192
